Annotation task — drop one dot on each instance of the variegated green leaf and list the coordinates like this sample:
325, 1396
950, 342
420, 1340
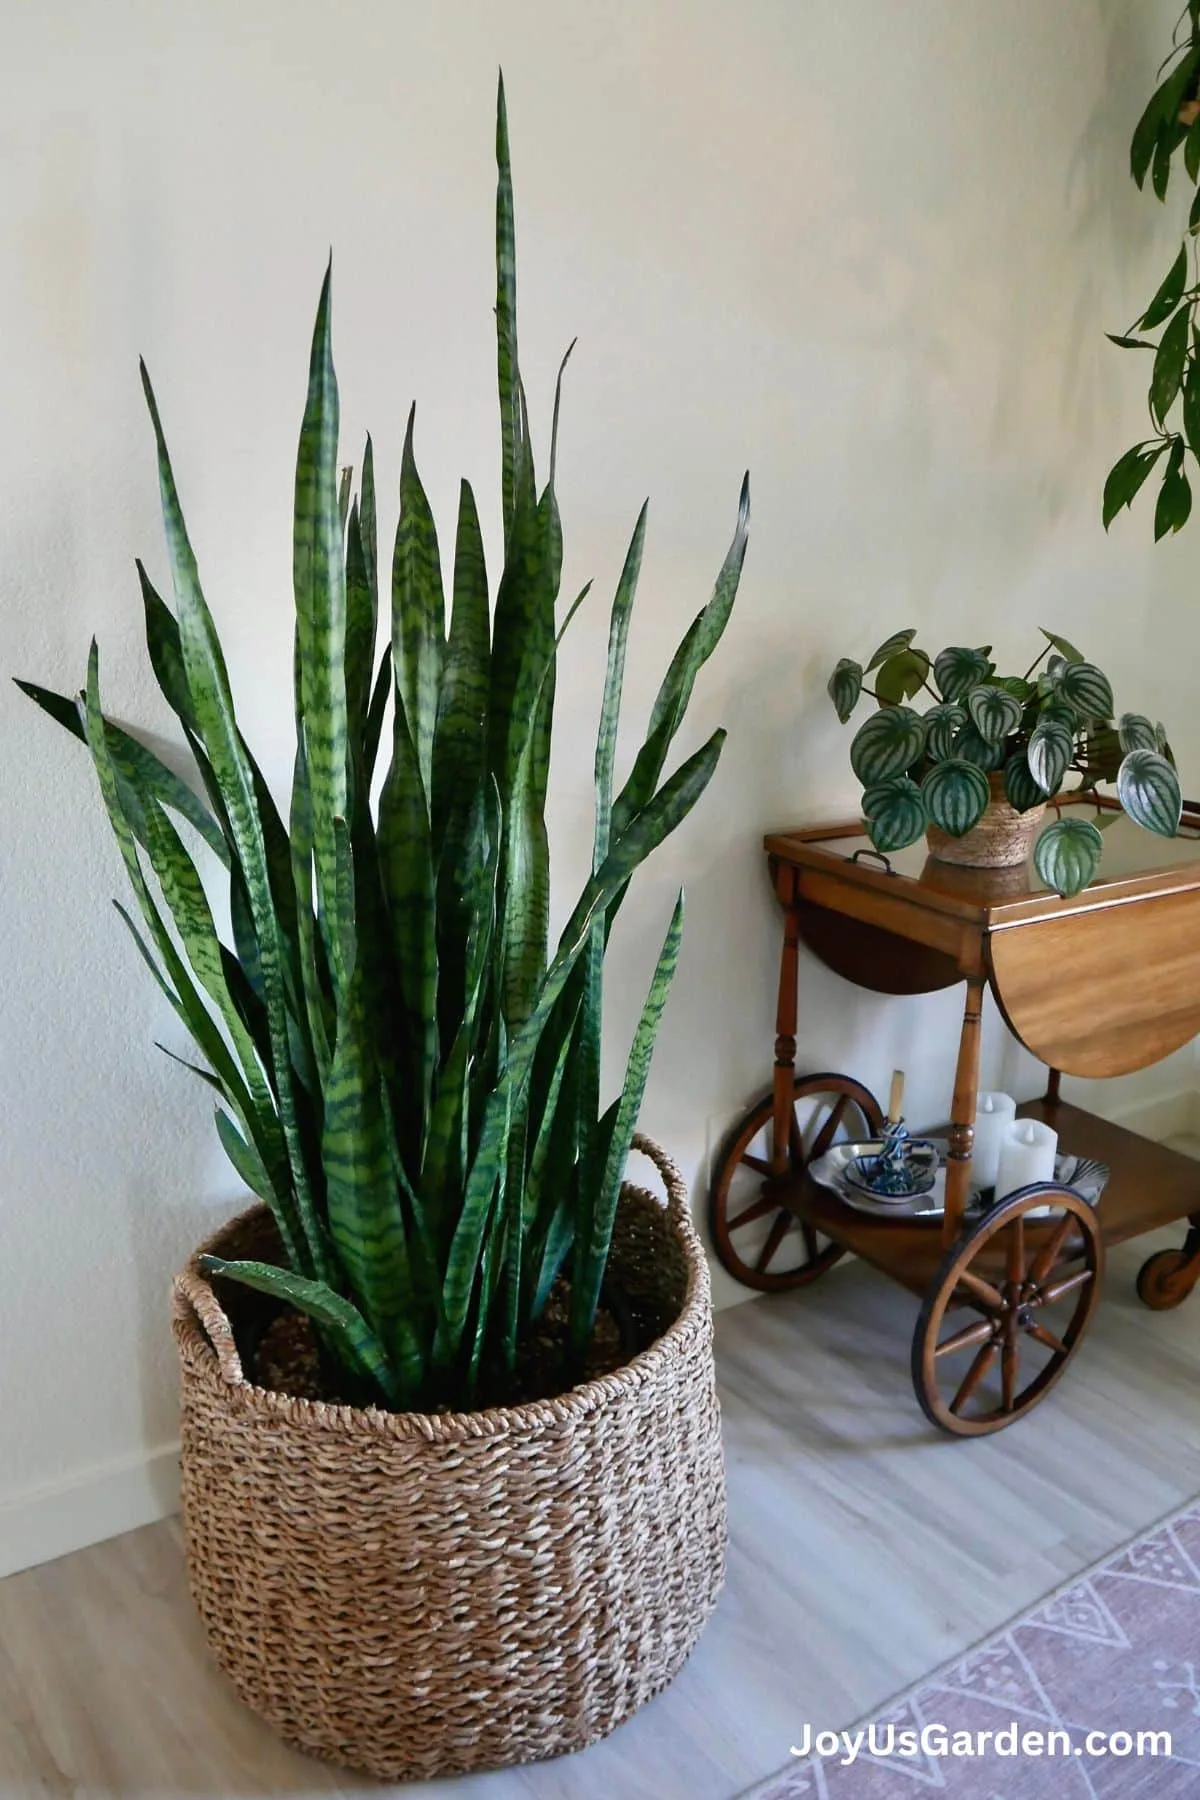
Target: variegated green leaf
1067, 855
895, 813
995, 714
1051, 747
942, 725
957, 671
971, 746
845, 687
406, 862
956, 794
418, 611
1020, 787
1148, 789
1088, 690
892, 646
887, 744
1136, 732
901, 676
508, 362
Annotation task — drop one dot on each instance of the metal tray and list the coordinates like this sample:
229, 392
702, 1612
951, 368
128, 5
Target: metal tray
1081, 1173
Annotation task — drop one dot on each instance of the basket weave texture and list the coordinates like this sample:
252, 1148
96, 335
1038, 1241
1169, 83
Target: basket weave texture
418, 1595
1002, 839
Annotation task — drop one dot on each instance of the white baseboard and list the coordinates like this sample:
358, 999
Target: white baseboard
1160, 1116
68, 1515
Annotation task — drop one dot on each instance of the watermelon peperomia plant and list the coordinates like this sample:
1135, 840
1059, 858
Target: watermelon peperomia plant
932, 767
408, 1075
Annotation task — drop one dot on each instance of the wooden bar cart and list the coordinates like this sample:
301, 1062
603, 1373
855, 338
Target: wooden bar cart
1098, 985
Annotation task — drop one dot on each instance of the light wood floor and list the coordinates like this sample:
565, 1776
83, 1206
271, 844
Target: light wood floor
865, 1550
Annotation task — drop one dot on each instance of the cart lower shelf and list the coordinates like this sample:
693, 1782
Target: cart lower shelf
1150, 1185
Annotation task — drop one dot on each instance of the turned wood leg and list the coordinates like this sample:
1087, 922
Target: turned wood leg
785, 1041
962, 1128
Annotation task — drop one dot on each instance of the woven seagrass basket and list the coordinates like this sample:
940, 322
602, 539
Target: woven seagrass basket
1002, 839
418, 1595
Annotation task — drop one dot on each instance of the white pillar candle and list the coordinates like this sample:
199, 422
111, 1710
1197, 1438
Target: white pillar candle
994, 1113
1026, 1155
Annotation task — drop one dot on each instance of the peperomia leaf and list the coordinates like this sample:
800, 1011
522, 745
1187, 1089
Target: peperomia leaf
994, 713
957, 671
899, 640
1067, 855
1063, 645
1148, 788
971, 746
943, 724
1050, 750
956, 795
1136, 732
1020, 788
902, 676
888, 744
845, 687
895, 813
1088, 690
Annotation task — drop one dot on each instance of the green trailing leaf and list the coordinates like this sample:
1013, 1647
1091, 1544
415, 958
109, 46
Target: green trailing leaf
1169, 294
1067, 855
995, 713
956, 795
1169, 360
895, 813
892, 646
887, 744
902, 676
1051, 747
1148, 789
1174, 504
957, 671
943, 724
1088, 690
845, 687
353, 1336
1126, 479
971, 746
1020, 787
1136, 732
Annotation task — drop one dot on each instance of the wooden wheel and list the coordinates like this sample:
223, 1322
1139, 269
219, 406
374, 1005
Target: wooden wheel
759, 1241
1029, 1288
1166, 1279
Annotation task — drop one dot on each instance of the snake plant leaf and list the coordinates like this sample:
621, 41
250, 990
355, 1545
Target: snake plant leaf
319, 577
1067, 855
971, 746
942, 725
614, 677
206, 1075
381, 693
368, 524
697, 645
958, 670
592, 1251
418, 610
887, 744
166, 657
508, 362
337, 1315
61, 708
362, 625
460, 738
892, 646
901, 676
1051, 747
1020, 788
956, 794
241, 1153
208, 683
1088, 690
845, 687
406, 863
895, 813
995, 713
1137, 732
1148, 789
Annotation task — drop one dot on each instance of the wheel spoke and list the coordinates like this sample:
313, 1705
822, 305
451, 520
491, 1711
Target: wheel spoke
962, 1340
808, 1232
758, 1209
982, 1290
828, 1130
973, 1377
1067, 1285
1048, 1338
1010, 1362
759, 1164
1016, 1250
1049, 1253
775, 1237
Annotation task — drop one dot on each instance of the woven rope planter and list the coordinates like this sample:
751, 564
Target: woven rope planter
420, 1595
1003, 837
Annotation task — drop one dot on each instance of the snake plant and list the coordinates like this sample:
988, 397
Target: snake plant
408, 1072
1028, 731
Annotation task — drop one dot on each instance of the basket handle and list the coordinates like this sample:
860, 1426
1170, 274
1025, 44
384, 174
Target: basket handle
194, 1300
677, 1195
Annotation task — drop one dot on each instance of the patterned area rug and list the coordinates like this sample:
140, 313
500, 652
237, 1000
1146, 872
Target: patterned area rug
1093, 1694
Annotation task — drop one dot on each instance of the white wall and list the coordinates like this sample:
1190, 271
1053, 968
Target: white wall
869, 251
